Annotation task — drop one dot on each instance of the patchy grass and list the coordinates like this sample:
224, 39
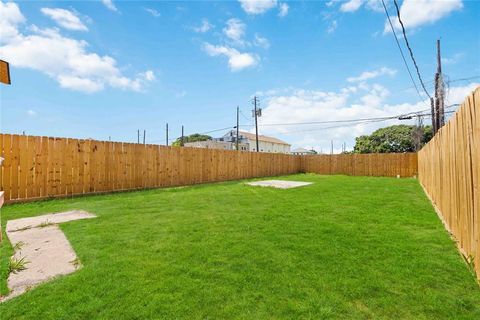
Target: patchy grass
342, 248
16, 265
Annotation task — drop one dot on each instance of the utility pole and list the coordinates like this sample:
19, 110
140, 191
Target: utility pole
144, 133
331, 148
236, 138
166, 134
418, 133
138, 135
439, 90
434, 119
257, 112
181, 141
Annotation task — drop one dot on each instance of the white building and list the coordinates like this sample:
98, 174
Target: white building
302, 152
216, 144
265, 143
246, 142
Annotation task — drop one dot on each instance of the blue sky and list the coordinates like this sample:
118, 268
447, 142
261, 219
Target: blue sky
94, 69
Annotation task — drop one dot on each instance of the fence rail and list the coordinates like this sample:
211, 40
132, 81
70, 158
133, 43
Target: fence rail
449, 171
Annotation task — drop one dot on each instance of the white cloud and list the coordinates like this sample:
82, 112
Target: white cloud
351, 6
153, 12
236, 60
64, 59
283, 106
453, 59
261, 41
110, 5
333, 26
416, 13
31, 112
148, 75
283, 9
375, 96
458, 94
204, 27
257, 6
315, 105
354, 5
65, 18
372, 74
235, 29
10, 18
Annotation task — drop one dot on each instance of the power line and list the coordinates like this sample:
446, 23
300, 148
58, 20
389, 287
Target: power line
409, 48
401, 51
431, 82
365, 122
350, 121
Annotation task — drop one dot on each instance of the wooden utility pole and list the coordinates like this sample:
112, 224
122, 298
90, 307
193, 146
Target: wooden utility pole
439, 90
434, 118
236, 138
138, 136
166, 134
257, 112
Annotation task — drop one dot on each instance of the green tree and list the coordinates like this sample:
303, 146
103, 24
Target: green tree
191, 138
397, 138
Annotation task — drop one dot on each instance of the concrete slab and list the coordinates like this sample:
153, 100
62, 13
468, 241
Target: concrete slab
280, 184
44, 248
47, 219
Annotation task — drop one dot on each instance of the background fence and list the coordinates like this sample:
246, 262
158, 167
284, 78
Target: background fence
449, 170
44, 167
375, 164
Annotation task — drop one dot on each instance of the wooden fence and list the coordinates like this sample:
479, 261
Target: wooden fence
449, 171
375, 164
44, 167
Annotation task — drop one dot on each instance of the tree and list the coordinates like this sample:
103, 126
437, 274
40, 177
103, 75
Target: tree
191, 138
397, 138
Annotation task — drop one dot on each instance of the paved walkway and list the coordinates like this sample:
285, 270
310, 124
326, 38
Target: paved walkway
41, 243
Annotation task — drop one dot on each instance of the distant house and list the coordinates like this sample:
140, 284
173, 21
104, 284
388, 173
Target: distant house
210, 144
246, 142
302, 152
265, 143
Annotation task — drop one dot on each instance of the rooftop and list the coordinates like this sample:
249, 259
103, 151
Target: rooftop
251, 136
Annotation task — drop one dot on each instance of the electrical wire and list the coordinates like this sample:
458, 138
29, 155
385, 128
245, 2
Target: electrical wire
350, 121
401, 51
365, 122
409, 48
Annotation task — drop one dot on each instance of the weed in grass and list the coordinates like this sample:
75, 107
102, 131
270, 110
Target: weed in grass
76, 263
16, 265
18, 246
45, 224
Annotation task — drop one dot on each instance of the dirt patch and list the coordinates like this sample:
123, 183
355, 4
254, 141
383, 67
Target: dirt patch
280, 184
42, 248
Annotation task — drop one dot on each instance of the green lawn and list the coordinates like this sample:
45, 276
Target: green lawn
342, 248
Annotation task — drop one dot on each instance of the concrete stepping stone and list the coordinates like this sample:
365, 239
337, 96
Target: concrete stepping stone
280, 184
44, 248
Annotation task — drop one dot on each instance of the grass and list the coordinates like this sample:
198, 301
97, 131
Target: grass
342, 248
